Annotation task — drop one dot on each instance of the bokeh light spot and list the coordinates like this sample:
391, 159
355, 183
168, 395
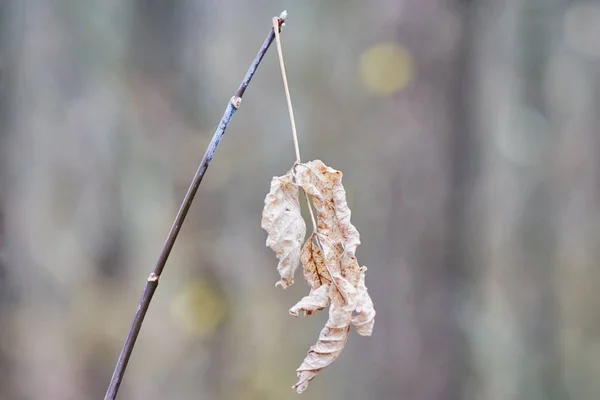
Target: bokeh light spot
198, 308
386, 68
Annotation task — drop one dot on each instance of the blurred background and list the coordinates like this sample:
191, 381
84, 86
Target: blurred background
468, 134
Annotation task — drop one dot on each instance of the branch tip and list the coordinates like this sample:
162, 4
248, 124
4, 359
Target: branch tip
281, 19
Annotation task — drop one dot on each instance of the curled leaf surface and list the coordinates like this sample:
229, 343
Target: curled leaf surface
315, 271
282, 220
328, 258
332, 339
329, 197
365, 318
317, 300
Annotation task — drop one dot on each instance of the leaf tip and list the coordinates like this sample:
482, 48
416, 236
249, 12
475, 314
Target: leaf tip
302, 383
284, 283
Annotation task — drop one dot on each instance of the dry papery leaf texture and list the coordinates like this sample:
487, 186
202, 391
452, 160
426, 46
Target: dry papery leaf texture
328, 259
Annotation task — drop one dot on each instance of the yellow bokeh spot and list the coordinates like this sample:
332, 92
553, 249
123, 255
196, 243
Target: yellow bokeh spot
198, 308
386, 68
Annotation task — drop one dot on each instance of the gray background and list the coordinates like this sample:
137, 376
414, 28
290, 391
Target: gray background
474, 183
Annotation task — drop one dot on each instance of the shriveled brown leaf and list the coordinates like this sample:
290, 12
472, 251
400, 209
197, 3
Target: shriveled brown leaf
332, 339
349, 268
315, 271
343, 214
365, 318
282, 220
344, 288
329, 197
330, 265
317, 300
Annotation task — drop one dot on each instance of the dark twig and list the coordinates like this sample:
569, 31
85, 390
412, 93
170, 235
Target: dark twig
152, 281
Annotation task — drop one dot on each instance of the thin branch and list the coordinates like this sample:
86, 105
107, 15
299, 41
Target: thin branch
152, 281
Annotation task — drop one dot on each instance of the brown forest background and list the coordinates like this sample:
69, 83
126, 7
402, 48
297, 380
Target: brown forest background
468, 136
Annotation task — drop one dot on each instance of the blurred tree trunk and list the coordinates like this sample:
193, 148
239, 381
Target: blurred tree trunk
7, 387
430, 180
61, 202
516, 339
573, 92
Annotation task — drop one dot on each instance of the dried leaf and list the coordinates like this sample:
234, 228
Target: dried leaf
343, 213
350, 269
329, 197
328, 258
317, 300
344, 288
282, 220
315, 271
332, 340
365, 319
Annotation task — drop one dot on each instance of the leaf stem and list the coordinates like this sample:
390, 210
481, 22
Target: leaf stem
287, 91
152, 281
296, 146
310, 210
288, 98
